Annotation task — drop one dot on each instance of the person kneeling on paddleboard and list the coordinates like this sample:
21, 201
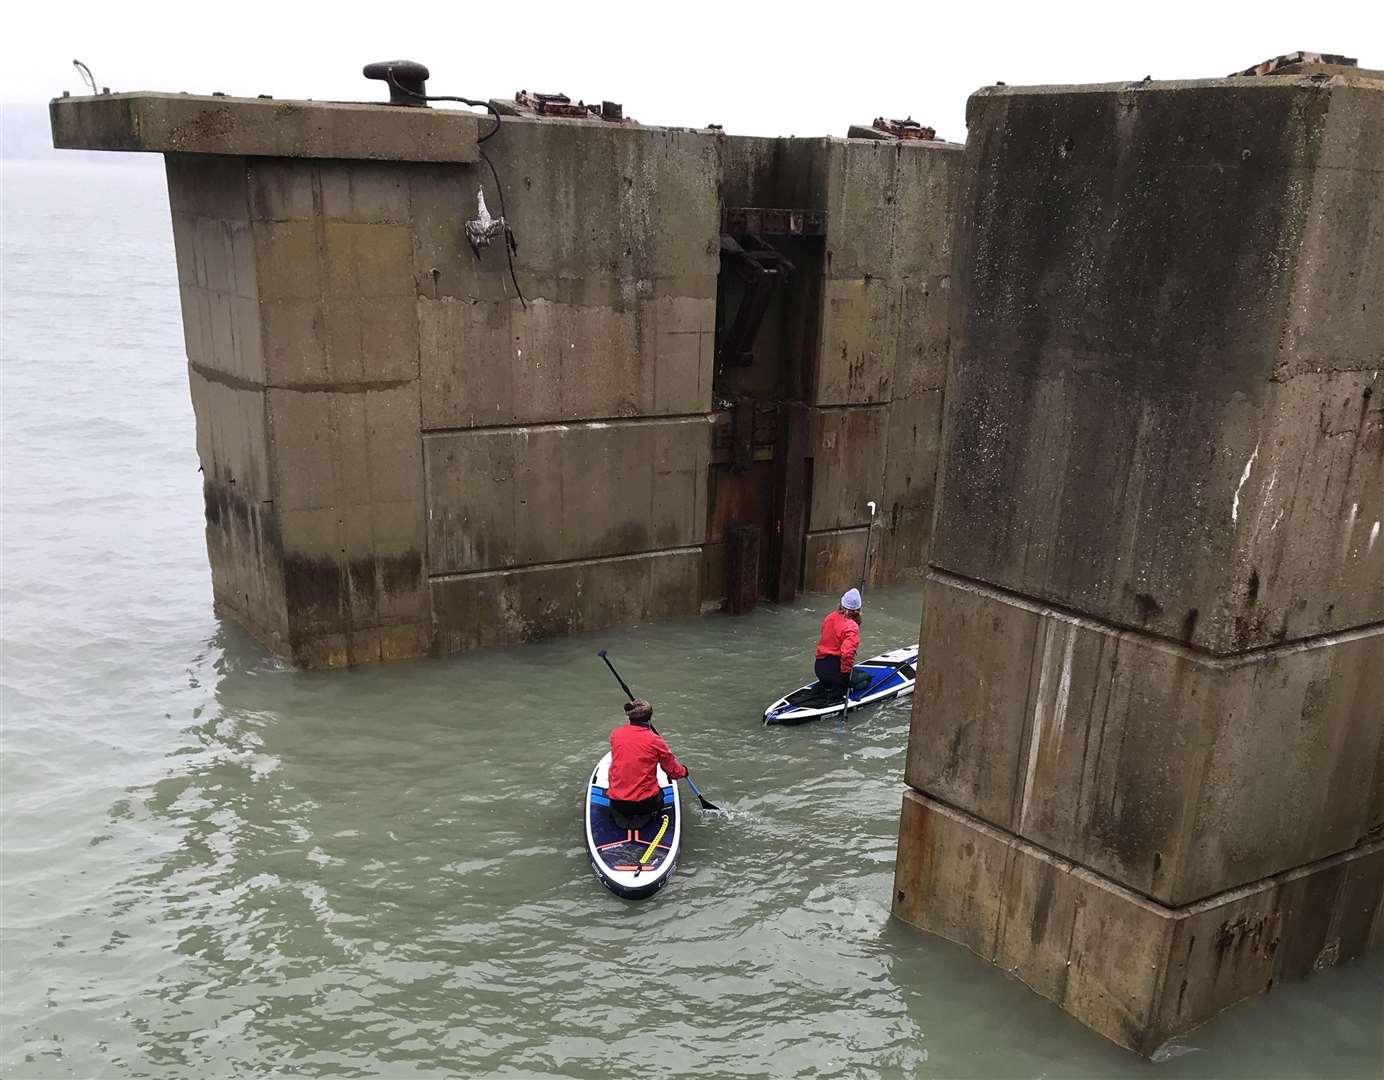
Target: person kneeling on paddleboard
635, 752
837, 645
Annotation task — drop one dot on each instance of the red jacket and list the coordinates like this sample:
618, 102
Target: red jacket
840, 637
634, 752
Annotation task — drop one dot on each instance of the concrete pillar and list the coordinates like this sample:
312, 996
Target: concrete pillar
1146, 764
401, 454
293, 229
881, 359
298, 312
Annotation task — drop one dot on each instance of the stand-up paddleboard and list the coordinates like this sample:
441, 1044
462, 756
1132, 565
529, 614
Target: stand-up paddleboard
633, 863
892, 675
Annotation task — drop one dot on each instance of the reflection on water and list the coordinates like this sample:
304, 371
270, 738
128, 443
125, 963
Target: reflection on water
215, 865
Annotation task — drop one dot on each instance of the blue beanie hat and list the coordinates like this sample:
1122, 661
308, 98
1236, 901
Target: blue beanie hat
851, 601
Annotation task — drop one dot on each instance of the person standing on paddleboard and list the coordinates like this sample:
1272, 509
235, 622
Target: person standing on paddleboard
837, 645
635, 753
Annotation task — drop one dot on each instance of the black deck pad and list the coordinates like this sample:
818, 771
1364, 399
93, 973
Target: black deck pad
619, 847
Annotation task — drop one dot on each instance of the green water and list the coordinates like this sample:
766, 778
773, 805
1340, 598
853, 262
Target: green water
214, 865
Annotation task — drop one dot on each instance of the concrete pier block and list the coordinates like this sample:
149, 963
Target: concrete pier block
1154, 613
302, 348
1175, 773
344, 341
1137, 971
389, 420
882, 356
1175, 336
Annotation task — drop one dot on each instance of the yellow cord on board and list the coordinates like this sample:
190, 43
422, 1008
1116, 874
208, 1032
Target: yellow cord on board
654, 843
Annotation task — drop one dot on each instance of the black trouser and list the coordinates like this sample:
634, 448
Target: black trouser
637, 814
830, 675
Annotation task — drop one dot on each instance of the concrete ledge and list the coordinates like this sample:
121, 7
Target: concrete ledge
1302, 80
1212, 661
1136, 971
149, 122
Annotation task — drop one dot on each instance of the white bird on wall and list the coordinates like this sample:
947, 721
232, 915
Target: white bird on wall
481, 229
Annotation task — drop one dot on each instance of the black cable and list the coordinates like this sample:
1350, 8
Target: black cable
511, 245
445, 97
477, 104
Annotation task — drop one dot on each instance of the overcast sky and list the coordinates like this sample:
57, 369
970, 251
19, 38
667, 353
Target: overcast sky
756, 68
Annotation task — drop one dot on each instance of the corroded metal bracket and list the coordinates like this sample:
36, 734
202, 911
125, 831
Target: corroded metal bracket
772, 221
763, 269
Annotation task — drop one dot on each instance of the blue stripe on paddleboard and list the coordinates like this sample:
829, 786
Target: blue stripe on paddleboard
599, 797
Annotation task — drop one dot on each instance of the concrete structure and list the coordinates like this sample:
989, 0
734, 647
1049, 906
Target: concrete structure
1147, 754
401, 455
1146, 766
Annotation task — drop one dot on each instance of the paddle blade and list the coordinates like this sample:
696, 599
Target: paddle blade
707, 804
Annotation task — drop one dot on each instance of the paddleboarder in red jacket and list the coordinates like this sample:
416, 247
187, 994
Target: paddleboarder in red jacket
635, 753
837, 645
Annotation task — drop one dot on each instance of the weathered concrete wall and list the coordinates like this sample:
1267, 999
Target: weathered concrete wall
618, 260
1136, 971
401, 454
1154, 614
564, 598
219, 292
503, 497
883, 343
1237, 399
1172, 772
567, 436
298, 313
873, 384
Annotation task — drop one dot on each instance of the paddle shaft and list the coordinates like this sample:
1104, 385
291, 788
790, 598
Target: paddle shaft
868, 687
869, 535
885, 674
864, 571
623, 685
706, 805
